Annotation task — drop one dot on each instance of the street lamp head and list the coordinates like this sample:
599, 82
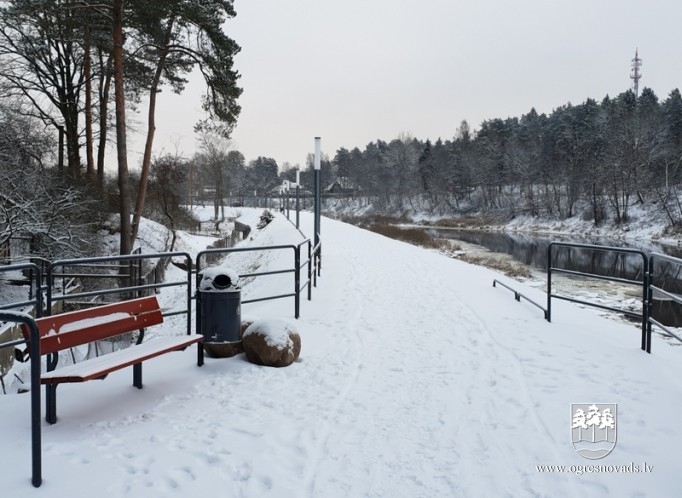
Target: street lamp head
317, 153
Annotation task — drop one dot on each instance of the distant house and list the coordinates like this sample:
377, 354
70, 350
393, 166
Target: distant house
342, 186
280, 190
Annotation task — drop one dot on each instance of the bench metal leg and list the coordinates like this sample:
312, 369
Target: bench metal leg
137, 375
51, 403
200, 354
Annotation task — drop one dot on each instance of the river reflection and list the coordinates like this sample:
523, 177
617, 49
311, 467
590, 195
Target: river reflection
531, 250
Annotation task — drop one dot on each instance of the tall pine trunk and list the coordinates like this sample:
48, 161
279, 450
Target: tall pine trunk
121, 146
151, 129
87, 69
104, 89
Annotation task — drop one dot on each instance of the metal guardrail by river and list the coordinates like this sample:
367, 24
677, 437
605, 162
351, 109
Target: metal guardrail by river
649, 264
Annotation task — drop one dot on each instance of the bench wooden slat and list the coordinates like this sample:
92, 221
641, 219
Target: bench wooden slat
132, 307
52, 343
75, 328
102, 365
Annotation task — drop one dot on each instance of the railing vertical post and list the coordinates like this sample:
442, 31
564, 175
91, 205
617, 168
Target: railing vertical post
36, 442
645, 297
310, 272
319, 258
63, 284
34, 355
188, 260
30, 286
48, 290
549, 282
297, 281
298, 200
140, 278
40, 299
648, 303
197, 305
314, 267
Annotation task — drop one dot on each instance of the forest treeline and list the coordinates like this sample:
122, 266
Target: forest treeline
71, 71
594, 160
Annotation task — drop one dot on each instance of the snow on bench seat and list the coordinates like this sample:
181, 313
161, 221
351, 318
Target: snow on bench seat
102, 365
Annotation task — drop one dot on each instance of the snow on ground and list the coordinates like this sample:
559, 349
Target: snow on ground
416, 378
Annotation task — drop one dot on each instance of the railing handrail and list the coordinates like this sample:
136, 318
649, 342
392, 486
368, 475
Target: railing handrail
518, 295
137, 287
626, 250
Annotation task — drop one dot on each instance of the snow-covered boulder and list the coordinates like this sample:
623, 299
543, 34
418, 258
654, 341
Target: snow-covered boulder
273, 343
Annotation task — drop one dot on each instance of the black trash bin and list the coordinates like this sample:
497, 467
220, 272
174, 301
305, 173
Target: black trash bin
220, 306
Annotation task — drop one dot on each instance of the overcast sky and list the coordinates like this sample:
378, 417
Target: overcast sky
355, 71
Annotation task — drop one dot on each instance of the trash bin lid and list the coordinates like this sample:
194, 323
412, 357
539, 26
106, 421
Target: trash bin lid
219, 280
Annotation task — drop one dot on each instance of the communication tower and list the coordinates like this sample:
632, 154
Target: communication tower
635, 74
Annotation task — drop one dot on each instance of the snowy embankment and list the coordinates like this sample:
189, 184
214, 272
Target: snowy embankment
416, 378
646, 226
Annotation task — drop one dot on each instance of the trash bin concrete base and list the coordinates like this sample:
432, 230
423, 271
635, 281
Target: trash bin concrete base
223, 349
226, 349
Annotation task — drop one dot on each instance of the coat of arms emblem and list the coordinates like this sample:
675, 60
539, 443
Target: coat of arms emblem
594, 428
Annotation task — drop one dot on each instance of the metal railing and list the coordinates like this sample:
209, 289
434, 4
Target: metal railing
295, 269
125, 271
643, 283
518, 296
34, 299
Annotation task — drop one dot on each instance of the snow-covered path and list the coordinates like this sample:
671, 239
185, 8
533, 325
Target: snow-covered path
400, 406
432, 401
417, 378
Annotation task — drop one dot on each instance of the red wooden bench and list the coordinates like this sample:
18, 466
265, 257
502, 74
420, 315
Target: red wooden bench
76, 328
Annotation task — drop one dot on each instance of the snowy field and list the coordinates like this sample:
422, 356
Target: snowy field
416, 378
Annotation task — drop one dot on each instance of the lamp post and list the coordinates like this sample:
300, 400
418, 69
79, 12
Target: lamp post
317, 198
288, 188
